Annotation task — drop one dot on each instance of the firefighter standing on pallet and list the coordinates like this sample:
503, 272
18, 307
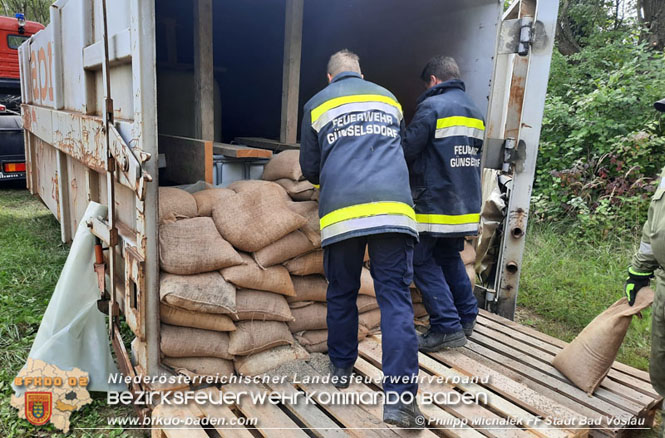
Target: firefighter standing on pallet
350, 145
442, 146
650, 259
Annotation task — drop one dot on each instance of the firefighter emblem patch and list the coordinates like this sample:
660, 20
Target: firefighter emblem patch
38, 407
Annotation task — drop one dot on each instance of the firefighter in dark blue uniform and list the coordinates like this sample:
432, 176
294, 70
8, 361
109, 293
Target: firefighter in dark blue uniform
442, 147
351, 146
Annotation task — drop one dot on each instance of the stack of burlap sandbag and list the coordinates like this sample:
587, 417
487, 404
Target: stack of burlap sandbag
220, 309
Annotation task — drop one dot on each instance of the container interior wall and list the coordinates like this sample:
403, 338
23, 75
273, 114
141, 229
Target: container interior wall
393, 38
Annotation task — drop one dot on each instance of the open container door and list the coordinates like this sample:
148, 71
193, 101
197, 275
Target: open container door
519, 86
88, 105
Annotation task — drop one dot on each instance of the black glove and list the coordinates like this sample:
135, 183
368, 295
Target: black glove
635, 282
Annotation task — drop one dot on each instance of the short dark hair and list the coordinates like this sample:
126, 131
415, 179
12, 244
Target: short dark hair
442, 67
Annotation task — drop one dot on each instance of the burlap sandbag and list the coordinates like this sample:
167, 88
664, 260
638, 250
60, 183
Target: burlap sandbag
419, 310
290, 246
306, 264
270, 188
416, 297
175, 204
366, 303
285, 164
186, 318
370, 320
297, 190
316, 341
471, 272
193, 342
207, 293
587, 360
193, 246
468, 255
309, 288
300, 304
312, 317
201, 366
251, 276
366, 283
256, 305
254, 336
207, 200
264, 361
310, 211
254, 219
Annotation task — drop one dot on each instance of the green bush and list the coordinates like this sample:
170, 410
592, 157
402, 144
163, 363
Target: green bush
602, 141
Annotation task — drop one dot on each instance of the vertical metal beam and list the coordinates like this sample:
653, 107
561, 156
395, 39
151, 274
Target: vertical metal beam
291, 70
142, 28
58, 57
204, 102
525, 123
89, 84
63, 197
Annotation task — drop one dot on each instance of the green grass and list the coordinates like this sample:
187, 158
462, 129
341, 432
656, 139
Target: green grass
566, 282
31, 258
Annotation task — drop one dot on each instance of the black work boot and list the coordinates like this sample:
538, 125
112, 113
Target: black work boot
404, 415
468, 326
435, 341
340, 377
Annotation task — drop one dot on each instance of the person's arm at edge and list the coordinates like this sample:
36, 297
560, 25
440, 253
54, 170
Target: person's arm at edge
417, 134
310, 152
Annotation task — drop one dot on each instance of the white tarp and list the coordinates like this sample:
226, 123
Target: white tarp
73, 332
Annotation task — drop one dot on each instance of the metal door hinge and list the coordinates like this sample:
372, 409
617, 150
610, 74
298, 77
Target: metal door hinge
520, 35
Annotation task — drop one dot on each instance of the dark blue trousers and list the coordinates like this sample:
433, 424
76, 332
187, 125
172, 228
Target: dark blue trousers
441, 277
391, 257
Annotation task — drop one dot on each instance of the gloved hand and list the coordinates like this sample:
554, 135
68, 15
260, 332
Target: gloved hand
635, 282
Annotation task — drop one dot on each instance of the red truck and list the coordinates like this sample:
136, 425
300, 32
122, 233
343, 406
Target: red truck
13, 32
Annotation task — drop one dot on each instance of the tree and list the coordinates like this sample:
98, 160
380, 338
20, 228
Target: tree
34, 10
651, 14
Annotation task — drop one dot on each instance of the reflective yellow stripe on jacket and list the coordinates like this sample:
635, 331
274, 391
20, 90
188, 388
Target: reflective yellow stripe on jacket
458, 125
446, 223
338, 106
366, 216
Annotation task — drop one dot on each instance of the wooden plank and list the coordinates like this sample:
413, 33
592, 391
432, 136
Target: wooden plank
471, 412
577, 394
181, 412
514, 391
188, 160
310, 415
204, 103
497, 403
270, 417
550, 350
543, 361
434, 411
359, 424
221, 411
643, 375
376, 410
547, 392
291, 70
265, 143
240, 151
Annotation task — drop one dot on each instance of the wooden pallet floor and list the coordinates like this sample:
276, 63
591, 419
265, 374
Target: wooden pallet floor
522, 386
